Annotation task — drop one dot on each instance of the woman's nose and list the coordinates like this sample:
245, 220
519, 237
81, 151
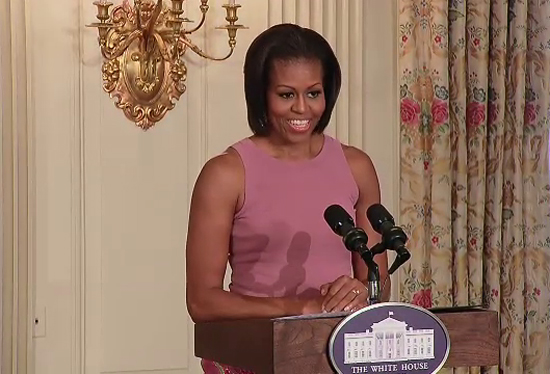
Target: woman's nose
299, 105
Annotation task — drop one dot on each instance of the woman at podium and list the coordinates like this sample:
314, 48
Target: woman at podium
259, 205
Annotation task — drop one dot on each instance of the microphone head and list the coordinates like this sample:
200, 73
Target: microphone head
338, 219
377, 216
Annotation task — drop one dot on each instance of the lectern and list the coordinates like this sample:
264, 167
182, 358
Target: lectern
299, 345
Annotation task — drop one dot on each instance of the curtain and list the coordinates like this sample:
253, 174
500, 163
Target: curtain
475, 192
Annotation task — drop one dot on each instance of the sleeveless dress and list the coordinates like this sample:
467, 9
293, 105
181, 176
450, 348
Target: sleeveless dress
280, 242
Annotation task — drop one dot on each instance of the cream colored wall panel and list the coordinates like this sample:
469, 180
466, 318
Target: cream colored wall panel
316, 16
303, 13
330, 32
144, 209
94, 108
130, 183
53, 72
225, 106
289, 10
355, 73
112, 200
144, 204
274, 11
342, 48
380, 100
6, 194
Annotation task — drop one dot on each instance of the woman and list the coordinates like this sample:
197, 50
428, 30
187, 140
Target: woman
260, 204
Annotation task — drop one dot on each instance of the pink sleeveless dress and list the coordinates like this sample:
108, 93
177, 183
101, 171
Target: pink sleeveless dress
280, 243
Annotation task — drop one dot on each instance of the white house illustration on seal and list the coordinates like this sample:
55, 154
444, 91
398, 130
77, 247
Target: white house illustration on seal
389, 341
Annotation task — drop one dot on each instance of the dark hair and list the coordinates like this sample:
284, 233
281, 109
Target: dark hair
287, 42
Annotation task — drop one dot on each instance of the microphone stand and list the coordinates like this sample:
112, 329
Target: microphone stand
355, 240
373, 275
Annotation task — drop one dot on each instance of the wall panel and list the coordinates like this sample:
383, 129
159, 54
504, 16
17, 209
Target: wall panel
105, 226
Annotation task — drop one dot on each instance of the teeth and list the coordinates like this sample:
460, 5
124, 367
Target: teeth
299, 123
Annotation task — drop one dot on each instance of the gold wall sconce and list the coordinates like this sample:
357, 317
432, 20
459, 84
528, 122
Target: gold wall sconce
143, 47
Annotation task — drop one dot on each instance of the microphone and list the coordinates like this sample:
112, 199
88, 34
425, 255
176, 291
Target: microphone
355, 239
393, 237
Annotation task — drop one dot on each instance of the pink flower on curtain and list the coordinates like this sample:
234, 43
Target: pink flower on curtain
410, 111
440, 112
530, 115
423, 298
475, 114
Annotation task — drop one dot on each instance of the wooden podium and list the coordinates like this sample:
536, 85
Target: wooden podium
299, 345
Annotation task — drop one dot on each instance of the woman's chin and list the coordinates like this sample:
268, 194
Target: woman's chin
298, 136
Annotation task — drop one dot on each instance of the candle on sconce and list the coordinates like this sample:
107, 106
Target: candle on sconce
231, 2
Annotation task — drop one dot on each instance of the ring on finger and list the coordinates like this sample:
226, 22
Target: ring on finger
357, 292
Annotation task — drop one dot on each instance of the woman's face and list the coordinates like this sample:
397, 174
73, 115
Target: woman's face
295, 98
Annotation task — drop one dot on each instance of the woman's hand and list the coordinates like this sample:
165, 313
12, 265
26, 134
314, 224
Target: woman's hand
344, 294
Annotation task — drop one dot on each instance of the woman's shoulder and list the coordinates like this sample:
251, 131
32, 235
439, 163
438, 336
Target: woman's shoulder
356, 157
223, 172
361, 165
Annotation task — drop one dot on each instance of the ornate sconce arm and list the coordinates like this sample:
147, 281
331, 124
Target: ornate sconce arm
203, 54
204, 9
231, 27
143, 46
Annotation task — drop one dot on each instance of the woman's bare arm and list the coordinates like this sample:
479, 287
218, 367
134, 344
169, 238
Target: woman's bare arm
369, 193
216, 197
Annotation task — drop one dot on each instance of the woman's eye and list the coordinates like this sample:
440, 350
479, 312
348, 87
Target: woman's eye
286, 95
314, 94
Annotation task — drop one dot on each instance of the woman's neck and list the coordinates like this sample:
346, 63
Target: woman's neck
284, 150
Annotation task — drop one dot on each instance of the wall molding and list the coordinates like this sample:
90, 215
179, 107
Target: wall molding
78, 271
16, 223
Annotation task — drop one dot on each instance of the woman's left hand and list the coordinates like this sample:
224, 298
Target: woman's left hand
344, 294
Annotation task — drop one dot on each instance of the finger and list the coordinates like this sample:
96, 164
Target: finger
338, 283
337, 290
333, 295
359, 307
361, 296
350, 301
359, 289
334, 287
345, 295
324, 288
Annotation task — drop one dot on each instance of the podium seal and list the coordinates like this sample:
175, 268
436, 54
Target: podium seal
395, 338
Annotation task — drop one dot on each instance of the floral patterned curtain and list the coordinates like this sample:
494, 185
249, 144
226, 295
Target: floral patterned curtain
475, 194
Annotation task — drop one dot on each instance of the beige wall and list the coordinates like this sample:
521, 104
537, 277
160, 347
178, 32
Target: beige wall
107, 202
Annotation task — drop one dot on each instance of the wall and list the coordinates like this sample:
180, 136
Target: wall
108, 202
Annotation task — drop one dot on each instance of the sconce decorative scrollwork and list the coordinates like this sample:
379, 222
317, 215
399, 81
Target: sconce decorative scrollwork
143, 46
